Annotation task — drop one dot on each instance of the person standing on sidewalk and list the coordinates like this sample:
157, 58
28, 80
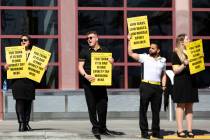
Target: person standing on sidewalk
185, 91
23, 90
152, 85
96, 96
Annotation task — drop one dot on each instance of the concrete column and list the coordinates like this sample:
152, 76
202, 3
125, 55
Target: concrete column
68, 53
182, 16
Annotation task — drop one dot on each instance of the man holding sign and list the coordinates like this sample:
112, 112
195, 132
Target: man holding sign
154, 77
96, 96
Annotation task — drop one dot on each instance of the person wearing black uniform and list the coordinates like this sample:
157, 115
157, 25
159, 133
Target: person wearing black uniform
185, 91
23, 90
154, 77
96, 96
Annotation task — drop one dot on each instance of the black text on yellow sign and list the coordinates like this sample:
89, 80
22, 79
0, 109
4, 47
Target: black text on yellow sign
16, 58
195, 56
101, 69
195, 49
139, 30
36, 63
196, 65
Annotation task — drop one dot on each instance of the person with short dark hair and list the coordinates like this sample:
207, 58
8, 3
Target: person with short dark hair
96, 96
23, 90
151, 88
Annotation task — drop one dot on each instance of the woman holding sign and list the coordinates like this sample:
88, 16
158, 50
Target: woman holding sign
23, 90
185, 93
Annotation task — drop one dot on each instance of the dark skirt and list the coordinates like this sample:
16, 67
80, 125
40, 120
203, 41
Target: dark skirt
23, 89
184, 90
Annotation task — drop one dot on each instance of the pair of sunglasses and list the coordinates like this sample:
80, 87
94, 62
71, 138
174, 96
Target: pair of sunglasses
89, 38
23, 40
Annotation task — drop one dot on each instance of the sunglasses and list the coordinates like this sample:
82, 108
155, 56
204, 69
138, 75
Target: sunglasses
23, 40
89, 38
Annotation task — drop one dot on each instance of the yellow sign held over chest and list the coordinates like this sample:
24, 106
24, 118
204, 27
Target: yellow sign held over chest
101, 69
139, 31
37, 61
16, 58
195, 56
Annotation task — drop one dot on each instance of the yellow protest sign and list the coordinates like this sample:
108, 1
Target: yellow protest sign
139, 31
101, 69
195, 49
16, 58
36, 63
195, 56
196, 65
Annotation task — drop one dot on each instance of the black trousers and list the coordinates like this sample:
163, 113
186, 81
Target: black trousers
150, 93
23, 110
97, 99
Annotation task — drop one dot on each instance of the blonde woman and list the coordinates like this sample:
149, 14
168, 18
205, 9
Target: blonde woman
185, 93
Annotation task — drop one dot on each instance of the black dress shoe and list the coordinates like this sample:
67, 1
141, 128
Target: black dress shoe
111, 132
96, 134
145, 135
106, 132
157, 135
22, 127
28, 128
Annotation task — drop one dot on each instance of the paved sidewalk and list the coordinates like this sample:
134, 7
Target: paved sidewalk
80, 129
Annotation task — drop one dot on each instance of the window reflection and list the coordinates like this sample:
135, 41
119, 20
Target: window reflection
134, 76
201, 3
100, 3
201, 22
149, 3
29, 22
29, 2
104, 22
160, 23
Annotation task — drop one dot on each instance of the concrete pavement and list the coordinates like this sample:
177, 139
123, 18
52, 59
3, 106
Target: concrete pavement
81, 129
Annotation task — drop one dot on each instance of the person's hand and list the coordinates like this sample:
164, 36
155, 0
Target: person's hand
90, 78
164, 88
6, 66
129, 37
186, 62
45, 68
111, 60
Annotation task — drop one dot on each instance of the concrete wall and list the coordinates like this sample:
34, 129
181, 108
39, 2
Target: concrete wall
71, 104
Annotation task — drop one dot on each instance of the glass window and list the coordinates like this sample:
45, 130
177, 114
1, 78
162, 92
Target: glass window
118, 77
50, 78
202, 78
134, 76
29, 2
201, 3
100, 3
149, 3
201, 22
160, 23
50, 45
206, 49
104, 22
166, 47
38, 22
